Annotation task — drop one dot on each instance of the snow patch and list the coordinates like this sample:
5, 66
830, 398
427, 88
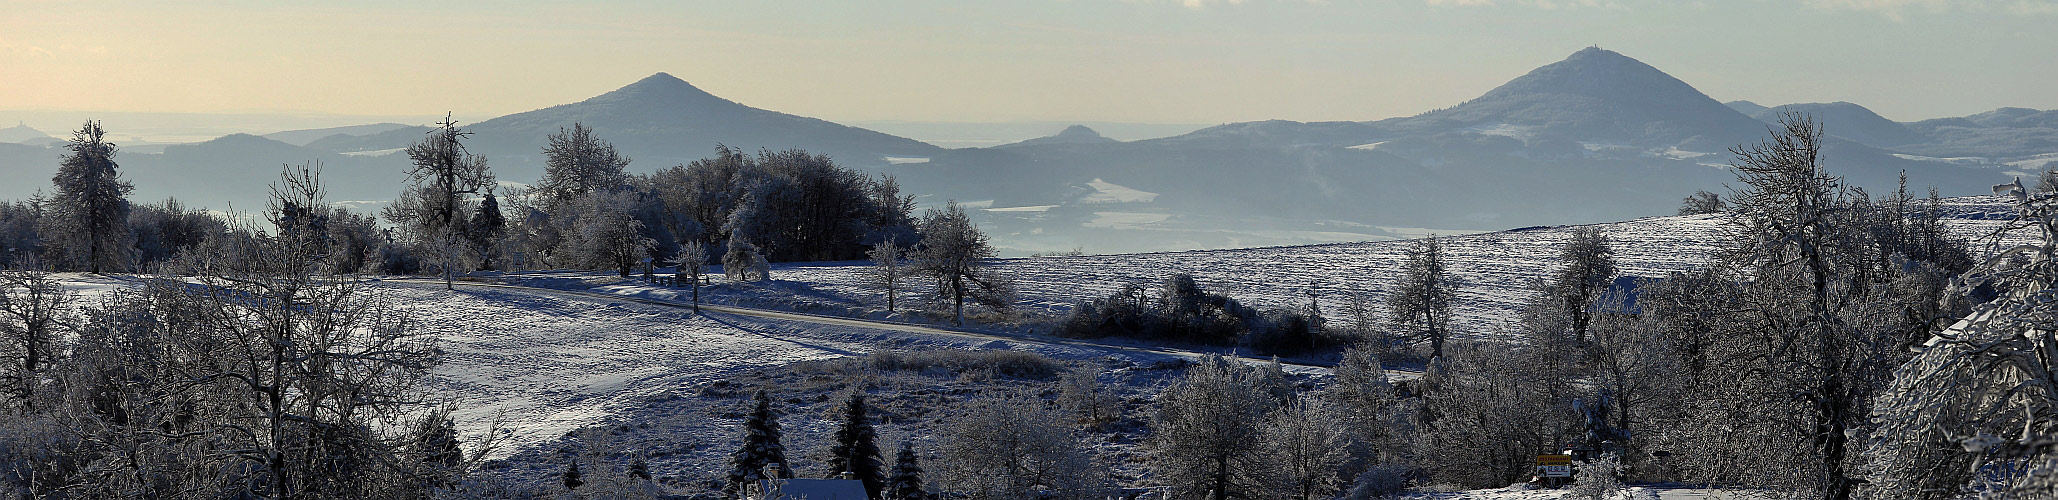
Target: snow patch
375, 152
1125, 220
1033, 208
1108, 192
1369, 147
1522, 132
903, 160
1961, 160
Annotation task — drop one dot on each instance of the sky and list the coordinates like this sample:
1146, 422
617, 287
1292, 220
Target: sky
1179, 61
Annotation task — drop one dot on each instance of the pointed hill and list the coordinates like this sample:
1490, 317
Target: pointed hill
22, 134
1072, 135
1597, 95
661, 121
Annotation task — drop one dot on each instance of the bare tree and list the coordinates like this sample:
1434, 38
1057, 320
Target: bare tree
577, 163
1308, 446
35, 310
1701, 203
954, 253
1207, 431
1420, 305
1014, 447
443, 178
692, 264
888, 261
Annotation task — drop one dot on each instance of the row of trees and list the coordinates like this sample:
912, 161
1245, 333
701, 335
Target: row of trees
588, 211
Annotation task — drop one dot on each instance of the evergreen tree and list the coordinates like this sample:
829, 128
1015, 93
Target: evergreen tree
92, 206
639, 469
760, 447
486, 229
857, 450
571, 477
905, 483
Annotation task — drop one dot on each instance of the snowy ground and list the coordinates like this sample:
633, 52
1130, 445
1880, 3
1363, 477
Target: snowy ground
554, 364
1499, 270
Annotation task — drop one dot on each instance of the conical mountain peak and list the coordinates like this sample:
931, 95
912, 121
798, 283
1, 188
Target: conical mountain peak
1595, 72
657, 89
1600, 95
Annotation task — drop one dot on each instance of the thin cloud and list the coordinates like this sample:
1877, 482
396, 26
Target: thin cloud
1534, 4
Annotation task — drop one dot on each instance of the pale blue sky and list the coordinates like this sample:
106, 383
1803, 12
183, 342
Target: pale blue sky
1139, 61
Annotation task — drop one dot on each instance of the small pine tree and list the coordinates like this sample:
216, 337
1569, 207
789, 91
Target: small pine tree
905, 483
639, 469
760, 446
571, 477
857, 449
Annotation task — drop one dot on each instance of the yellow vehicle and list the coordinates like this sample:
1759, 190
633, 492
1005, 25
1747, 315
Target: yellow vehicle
1553, 470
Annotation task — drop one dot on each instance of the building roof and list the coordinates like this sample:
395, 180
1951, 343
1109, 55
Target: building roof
819, 489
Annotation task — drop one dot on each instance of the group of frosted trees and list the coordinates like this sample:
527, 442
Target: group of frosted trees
1790, 363
1787, 364
249, 375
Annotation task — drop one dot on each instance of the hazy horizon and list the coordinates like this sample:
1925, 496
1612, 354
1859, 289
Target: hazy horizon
1190, 62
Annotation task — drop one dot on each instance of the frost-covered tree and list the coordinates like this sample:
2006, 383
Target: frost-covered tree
91, 206
1828, 286
1080, 391
610, 235
905, 481
889, 267
1420, 305
577, 164
1206, 441
745, 263
1976, 409
1589, 269
1307, 445
692, 264
1484, 418
857, 449
760, 446
1634, 363
442, 178
35, 311
1702, 202
954, 253
1015, 447
1373, 414
1597, 479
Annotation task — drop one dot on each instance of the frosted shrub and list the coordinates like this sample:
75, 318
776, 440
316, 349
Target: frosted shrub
1597, 479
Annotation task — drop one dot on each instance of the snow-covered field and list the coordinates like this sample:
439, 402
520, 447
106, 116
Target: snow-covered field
1499, 270
555, 364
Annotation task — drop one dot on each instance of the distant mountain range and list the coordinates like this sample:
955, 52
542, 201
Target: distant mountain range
1598, 136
